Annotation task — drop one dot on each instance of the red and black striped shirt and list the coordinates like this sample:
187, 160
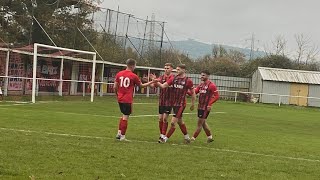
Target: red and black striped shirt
165, 97
180, 86
208, 94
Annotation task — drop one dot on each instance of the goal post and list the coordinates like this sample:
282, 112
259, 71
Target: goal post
35, 61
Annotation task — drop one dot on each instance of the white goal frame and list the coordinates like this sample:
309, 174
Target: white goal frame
35, 60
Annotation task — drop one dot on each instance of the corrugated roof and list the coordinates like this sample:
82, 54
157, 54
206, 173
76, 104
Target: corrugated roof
290, 75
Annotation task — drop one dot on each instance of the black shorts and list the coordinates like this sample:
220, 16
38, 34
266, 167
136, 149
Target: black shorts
177, 111
125, 108
165, 109
203, 114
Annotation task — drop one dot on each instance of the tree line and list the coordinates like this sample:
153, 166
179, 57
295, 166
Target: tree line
21, 23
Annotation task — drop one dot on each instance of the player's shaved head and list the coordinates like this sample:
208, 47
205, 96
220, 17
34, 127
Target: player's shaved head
168, 64
182, 66
131, 62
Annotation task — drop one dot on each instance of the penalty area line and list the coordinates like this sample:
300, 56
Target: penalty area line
95, 115
189, 146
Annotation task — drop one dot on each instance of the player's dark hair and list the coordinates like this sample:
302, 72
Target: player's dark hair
131, 62
205, 72
168, 64
182, 66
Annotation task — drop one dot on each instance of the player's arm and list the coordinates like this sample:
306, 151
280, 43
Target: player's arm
138, 82
214, 97
116, 84
146, 84
154, 84
196, 91
193, 98
115, 87
164, 85
193, 94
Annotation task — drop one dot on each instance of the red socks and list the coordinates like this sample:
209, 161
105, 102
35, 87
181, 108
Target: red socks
208, 132
171, 130
160, 126
183, 129
123, 124
196, 133
164, 128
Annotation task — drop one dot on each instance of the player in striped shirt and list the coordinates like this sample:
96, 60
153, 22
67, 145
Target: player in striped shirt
181, 84
165, 100
208, 95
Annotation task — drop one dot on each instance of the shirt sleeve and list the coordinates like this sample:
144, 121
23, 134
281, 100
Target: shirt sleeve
137, 80
170, 81
196, 90
215, 97
189, 84
117, 78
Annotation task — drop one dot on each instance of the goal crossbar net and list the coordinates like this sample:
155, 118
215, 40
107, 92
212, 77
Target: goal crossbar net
61, 53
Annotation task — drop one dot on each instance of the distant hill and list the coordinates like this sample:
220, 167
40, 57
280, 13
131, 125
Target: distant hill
195, 49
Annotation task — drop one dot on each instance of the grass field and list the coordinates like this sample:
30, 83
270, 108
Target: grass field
75, 140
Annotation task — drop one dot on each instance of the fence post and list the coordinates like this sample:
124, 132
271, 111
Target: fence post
37, 87
101, 85
83, 89
6, 80
61, 74
279, 101
235, 97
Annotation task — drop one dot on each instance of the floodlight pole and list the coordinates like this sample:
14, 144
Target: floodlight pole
61, 74
6, 81
93, 76
34, 75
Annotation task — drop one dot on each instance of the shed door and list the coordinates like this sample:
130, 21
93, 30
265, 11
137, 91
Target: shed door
299, 90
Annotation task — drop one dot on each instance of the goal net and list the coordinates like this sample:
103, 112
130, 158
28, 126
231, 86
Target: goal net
51, 70
41, 72
35, 71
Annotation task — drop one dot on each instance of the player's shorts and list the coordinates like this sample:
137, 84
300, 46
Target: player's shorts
177, 111
125, 108
165, 109
203, 114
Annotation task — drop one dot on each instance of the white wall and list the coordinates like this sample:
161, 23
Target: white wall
272, 87
314, 91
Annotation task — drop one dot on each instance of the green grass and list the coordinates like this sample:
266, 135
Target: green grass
252, 141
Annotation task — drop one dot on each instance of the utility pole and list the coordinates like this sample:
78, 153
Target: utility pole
161, 43
144, 36
151, 32
252, 46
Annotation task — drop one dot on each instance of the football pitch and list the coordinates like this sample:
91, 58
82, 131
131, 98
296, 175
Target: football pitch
76, 140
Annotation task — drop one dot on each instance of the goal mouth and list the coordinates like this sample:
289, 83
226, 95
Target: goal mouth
45, 73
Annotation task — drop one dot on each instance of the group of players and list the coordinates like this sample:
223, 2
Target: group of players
173, 92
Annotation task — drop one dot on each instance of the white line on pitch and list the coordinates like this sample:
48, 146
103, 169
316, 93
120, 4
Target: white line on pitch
145, 103
100, 115
191, 146
8, 105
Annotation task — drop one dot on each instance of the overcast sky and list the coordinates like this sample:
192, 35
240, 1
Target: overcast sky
230, 22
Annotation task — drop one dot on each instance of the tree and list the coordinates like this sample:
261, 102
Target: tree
302, 44
273, 61
57, 17
236, 56
224, 66
219, 51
